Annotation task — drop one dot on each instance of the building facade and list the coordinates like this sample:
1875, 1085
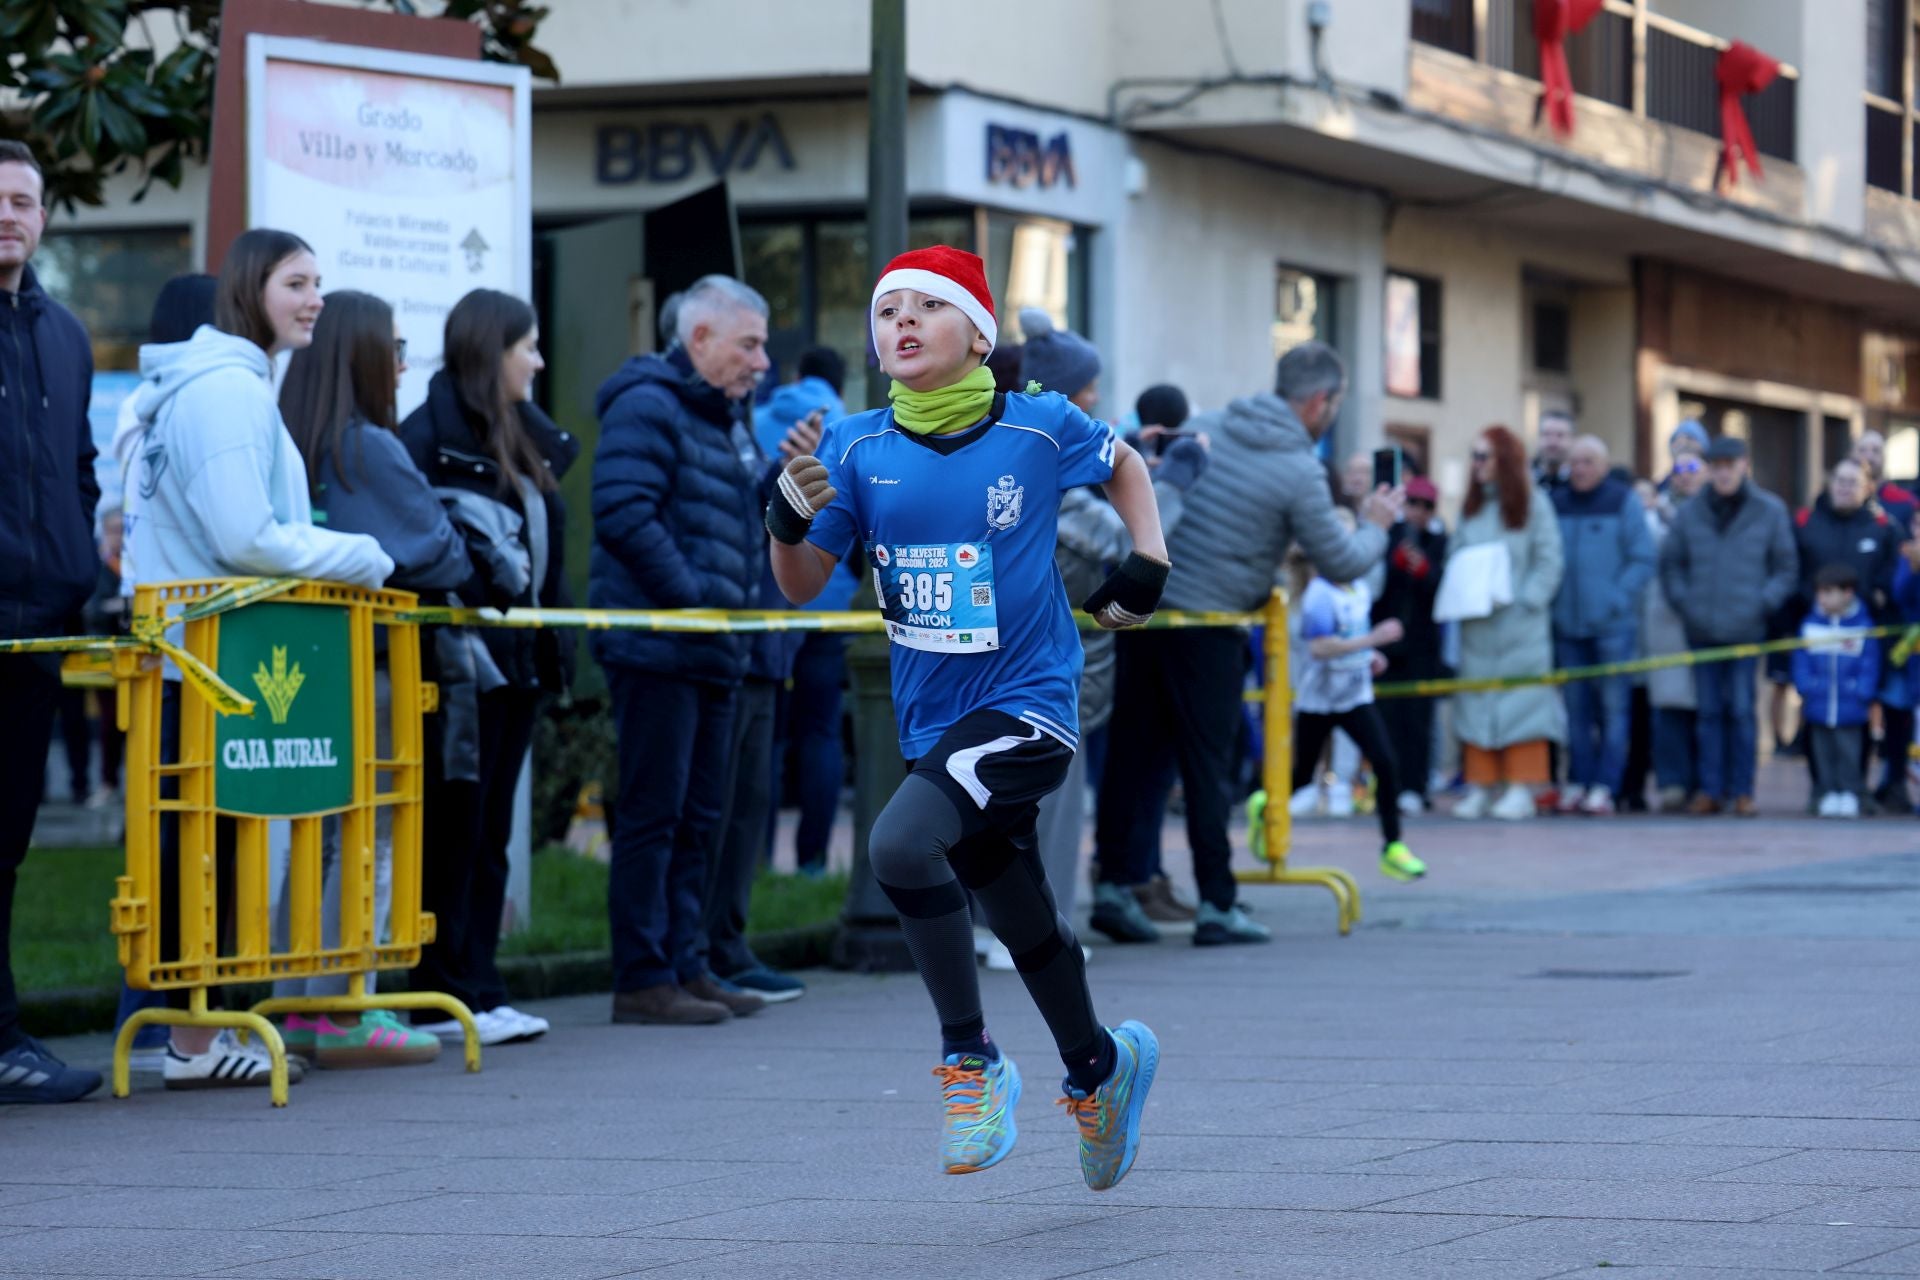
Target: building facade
1198, 185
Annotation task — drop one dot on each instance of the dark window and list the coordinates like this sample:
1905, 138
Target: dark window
1552, 337
1886, 47
1413, 337
109, 279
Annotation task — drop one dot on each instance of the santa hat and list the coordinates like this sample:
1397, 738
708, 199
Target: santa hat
953, 275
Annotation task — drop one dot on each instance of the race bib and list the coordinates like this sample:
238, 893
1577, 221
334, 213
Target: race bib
937, 598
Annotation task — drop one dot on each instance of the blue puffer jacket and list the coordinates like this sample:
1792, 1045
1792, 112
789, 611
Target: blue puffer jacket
676, 520
1838, 675
1610, 558
48, 565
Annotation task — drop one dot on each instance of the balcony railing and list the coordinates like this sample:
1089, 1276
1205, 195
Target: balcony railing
1673, 64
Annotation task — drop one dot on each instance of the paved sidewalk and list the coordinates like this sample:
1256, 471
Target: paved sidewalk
1640, 1047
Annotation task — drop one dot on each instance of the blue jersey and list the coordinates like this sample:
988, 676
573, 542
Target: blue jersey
959, 532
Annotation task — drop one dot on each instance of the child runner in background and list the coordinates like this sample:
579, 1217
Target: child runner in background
1335, 691
951, 496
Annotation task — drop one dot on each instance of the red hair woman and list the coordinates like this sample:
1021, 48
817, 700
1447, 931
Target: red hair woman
1504, 733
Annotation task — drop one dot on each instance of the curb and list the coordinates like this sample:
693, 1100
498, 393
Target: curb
571, 973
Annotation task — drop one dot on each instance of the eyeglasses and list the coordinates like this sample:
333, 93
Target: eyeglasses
1686, 466
400, 350
1481, 455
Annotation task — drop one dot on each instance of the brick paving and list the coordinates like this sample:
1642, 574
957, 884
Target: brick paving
1640, 1046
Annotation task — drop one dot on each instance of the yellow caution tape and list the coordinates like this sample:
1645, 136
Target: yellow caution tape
246, 592
227, 700
739, 621
1692, 658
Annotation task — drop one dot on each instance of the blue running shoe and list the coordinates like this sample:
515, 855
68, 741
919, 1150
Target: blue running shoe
980, 1096
30, 1073
1109, 1117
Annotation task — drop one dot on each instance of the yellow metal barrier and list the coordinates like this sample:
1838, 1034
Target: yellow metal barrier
307, 754
1277, 777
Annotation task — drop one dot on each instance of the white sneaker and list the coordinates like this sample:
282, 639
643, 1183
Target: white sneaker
1571, 798
1830, 805
1515, 806
1849, 806
1411, 803
1000, 960
147, 1062
531, 1027
1305, 802
1599, 802
492, 1029
104, 798
1473, 805
1340, 800
226, 1064
983, 941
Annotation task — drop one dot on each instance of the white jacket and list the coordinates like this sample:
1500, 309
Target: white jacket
215, 486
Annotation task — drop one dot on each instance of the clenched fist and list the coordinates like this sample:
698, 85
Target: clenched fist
801, 493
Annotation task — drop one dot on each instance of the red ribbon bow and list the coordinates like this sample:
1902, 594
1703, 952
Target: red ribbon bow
1553, 22
1742, 69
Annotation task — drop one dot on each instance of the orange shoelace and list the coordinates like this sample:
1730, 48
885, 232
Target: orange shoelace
1086, 1113
965, 1089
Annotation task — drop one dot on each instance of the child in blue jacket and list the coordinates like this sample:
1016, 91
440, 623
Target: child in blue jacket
1838, 675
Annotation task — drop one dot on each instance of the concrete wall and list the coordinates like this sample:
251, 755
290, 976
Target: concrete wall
1831, 123
1485, 365
1193, 270
629, 42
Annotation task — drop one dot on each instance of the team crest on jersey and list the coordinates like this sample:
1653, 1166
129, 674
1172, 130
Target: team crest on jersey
881, 554
1003, 503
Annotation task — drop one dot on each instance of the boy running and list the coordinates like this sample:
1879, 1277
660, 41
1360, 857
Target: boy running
951, 497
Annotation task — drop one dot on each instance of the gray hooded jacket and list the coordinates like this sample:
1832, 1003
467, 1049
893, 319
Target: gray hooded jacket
1264, 489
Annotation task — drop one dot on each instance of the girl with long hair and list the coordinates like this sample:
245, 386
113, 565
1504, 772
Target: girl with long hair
224, 495
497, 460
1504, 733
338, 401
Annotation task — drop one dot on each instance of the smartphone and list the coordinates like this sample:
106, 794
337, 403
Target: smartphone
1387, 465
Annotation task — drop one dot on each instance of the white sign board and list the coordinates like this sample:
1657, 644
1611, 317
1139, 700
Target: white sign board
409, 175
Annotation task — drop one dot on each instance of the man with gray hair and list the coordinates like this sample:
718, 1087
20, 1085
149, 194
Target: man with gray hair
676, 525
1178, 691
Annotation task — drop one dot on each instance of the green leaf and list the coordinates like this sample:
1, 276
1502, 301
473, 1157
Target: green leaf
89, 125
122, 126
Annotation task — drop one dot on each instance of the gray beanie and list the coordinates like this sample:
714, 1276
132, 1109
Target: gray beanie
1058, 359
1690, 429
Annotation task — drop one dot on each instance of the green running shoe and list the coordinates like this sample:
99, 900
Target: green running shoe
1257, 824
1397, 862
980, 1096
1109, 1117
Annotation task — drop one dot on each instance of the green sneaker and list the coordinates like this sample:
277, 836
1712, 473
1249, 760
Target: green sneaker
378, 1039
1257, 824
1398, 863
980, 1097
297, 1034
1109, 1117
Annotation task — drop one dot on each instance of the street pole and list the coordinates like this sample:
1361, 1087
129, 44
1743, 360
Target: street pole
870, 939
886, 154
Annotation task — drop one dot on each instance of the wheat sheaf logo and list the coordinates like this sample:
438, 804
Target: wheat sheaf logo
279, 686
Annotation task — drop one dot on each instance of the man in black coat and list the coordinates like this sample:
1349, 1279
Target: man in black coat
1416, 557
676, 525
48, 565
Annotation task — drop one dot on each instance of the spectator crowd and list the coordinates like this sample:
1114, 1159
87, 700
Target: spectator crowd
265, 440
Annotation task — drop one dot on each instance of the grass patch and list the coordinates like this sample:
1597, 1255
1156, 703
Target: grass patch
570, 905
60, 922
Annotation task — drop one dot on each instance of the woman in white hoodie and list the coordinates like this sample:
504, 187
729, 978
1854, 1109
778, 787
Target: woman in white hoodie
223, 494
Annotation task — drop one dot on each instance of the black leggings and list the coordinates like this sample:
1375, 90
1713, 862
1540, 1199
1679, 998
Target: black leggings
1363, 725
924, 847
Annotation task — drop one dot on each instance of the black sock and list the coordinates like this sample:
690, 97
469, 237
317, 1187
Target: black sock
981, 1044
1089, 1065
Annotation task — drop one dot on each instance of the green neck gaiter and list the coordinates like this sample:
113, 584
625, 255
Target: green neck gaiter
945, 410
